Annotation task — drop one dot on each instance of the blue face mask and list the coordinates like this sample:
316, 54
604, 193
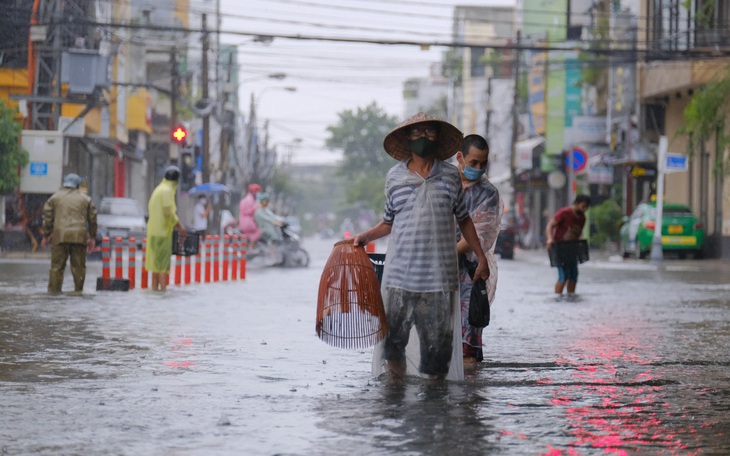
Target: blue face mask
472, 173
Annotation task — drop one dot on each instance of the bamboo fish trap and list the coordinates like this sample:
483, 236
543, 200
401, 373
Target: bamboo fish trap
350, 312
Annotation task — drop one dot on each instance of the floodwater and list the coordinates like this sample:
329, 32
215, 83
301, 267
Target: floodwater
638, 364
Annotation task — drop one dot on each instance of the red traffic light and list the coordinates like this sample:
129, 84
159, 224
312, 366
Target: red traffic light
179, 134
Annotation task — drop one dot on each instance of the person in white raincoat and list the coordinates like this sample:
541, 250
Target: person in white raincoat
485, 209
420, 286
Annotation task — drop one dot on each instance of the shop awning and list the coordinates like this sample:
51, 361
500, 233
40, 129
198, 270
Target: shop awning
525, 151
97, 146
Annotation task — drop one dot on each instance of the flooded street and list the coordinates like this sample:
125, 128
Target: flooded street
638, 364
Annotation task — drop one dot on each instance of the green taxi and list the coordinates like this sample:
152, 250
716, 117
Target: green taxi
681, 231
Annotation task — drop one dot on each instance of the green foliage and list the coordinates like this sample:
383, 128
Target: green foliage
312, 198
359, 135
705, 117
704, 15
438, 109
606, 217
453, 67
12, 155
370, 190
281, 182
594, 66
493, 59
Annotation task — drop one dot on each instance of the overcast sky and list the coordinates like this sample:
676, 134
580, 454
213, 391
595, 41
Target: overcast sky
331, 77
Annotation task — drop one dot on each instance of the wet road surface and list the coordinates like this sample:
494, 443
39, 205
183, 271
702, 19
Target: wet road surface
638, 364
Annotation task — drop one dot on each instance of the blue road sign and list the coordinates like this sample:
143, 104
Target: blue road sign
38, 169
580, 159
677, 162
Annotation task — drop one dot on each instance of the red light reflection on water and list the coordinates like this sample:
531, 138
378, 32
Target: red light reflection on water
616, 415
513, 434
181, 349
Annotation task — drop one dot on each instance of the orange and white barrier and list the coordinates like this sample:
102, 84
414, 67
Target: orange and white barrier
105, 282
145, 276
198, 261
242, 268
217, 259
234, 257
132, 267
208, 258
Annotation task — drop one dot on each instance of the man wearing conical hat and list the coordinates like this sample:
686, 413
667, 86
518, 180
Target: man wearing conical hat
420, 284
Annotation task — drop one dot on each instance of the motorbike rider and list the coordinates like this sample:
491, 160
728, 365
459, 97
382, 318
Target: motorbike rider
246, 210
269, 223
279, 246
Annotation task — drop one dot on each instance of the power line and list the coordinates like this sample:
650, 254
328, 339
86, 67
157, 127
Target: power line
403, 42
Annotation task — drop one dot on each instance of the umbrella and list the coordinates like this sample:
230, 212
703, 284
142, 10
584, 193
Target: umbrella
209, 188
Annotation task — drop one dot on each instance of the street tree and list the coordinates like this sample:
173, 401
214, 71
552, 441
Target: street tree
12, 155
359, 134
706, 118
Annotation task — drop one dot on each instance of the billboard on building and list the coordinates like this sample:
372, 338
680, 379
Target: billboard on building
555, 122
536, 87
545, 19
573, 79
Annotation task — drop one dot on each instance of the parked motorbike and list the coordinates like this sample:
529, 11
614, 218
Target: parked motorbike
288, 253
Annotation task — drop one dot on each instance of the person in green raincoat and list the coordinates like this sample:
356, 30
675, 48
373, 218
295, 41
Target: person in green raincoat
69, 224
162, 220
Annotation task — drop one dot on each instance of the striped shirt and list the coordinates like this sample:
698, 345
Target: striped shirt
422, 249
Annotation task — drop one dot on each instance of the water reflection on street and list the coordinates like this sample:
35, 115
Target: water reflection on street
638, 364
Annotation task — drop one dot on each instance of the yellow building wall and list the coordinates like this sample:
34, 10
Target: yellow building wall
676, 186
673, 80
139, 105
182, 12
13, 82
687, 187
92, 119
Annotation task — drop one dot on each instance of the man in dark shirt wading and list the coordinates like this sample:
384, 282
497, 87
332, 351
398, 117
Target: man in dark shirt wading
567, 225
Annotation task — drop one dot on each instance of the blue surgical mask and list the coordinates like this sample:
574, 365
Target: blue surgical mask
472, 173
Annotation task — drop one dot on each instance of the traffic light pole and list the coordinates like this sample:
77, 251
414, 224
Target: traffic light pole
206, 119
174, 147
515, 124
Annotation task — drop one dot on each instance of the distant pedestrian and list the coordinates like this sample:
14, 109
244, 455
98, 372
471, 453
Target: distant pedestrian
200, 216
567, 225
69, 223
162, 221
485, 209
424, 204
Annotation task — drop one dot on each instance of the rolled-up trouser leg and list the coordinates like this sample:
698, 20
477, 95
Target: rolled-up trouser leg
59, 255
78, 265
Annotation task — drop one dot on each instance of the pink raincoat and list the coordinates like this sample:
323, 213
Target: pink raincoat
246, 223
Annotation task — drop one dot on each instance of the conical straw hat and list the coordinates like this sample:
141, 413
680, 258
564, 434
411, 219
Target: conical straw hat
448, 142
350, 312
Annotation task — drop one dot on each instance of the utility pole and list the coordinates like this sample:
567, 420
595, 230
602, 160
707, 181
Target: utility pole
487, 127
206, 119
227, 125
173, 88
657, 255
515, 122
45, 64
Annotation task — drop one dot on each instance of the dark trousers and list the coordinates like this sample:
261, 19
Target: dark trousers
59, 255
